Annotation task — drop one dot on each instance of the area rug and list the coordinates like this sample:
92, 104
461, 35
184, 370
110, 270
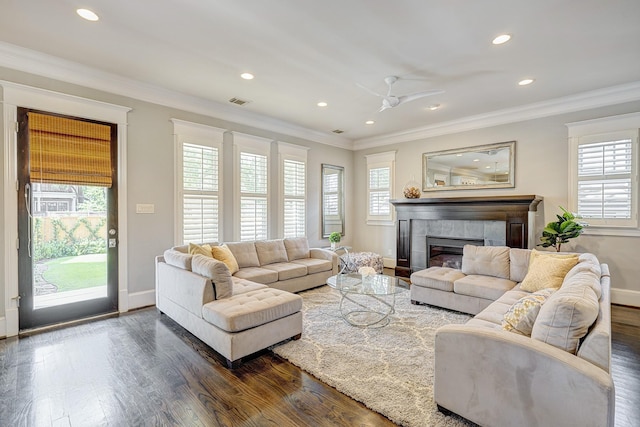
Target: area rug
388, 369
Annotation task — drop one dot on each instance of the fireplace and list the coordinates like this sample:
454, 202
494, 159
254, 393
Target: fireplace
447, 252
507, 220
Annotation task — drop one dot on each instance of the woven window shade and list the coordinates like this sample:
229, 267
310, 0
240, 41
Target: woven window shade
67, 151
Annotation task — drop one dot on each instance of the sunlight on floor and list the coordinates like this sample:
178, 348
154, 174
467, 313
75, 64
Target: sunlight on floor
61, 298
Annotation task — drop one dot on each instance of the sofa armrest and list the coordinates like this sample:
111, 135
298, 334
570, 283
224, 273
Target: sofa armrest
326, 255
184, 288
499, 378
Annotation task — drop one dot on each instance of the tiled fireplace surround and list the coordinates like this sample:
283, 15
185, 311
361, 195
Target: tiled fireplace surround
496, 220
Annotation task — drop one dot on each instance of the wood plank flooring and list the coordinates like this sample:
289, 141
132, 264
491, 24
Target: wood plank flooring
143, 369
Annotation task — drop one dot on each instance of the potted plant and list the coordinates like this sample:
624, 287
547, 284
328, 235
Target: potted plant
558, 232
334, 238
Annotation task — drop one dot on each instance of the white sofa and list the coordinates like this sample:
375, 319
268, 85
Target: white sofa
233, 315
559, 375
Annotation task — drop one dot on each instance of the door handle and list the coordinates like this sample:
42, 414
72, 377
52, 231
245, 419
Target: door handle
27, 202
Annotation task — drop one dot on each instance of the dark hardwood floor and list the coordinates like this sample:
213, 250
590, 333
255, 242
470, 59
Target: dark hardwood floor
143, 369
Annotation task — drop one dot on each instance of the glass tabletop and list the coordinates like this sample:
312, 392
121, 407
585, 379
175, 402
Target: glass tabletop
378, 284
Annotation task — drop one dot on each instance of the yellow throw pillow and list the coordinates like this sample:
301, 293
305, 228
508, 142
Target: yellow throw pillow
522, 315
223, 253
547, 270
195, 249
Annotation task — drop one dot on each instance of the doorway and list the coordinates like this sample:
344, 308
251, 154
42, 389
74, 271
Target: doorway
67, 218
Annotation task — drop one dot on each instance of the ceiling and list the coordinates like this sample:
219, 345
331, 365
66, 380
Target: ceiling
304, 52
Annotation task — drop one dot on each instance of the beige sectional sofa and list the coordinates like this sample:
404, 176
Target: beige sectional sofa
527, 358
240, 314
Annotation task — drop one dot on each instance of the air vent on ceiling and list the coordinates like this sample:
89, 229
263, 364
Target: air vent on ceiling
239, 101
337, 131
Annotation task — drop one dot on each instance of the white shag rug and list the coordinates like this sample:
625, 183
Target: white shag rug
388, 369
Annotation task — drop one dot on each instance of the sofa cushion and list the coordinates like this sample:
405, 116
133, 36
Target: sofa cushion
204, 249
440, 278
271, 251
224, 254
586, 271
547, 270
522, 315
244, 253
566, 317
486, 260
297, 248
257, 274
494, 313
287, 270
217, 271
251, 309
178, 259
241, 286
486, 287
314, 265
518, 263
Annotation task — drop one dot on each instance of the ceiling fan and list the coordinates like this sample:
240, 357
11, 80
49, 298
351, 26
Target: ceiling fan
391, 101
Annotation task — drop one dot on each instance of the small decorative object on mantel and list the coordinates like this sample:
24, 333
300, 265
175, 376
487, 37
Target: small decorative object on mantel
558, 232
334, 238
411, 189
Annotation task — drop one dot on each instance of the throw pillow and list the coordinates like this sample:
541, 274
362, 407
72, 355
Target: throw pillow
522, 314
223, 253
547, 270
195, 249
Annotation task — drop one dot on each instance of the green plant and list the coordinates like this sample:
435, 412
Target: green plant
558, 232
335, 237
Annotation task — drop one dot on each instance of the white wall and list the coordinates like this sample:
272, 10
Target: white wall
541, 168
150, 179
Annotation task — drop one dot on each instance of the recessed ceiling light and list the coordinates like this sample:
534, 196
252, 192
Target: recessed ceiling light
502, 38
434, 107
525, 82
458, 155
322, 104
369, 122
87, 14
247, 76
487, 167
476, 160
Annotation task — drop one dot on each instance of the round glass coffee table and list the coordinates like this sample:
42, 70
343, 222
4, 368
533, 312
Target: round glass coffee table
367, 301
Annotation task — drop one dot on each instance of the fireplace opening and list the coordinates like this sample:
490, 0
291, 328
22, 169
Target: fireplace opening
446, 251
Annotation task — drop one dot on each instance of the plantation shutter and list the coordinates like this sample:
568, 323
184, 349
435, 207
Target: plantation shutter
379, 191
294, 175
68, 151
200, 169
330, 188
253, 196
604, 179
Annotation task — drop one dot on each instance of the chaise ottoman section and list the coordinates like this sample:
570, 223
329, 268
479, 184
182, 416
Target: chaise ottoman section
251, 309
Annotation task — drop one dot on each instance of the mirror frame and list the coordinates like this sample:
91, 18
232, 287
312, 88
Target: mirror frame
428, 157
324, 226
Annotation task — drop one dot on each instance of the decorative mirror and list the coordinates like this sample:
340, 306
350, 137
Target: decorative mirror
332, 199
483, 166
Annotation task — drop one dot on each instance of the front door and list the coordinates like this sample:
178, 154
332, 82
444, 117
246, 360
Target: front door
67, 218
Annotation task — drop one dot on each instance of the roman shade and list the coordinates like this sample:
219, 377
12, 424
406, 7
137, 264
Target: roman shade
68, 151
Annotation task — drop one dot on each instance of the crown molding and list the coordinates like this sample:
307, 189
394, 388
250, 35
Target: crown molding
37, 63
593, 99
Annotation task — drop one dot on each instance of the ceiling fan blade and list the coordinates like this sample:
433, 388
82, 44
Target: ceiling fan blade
414, 96
369, 90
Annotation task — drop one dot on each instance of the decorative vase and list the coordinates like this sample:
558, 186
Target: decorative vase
333, 246
411, 190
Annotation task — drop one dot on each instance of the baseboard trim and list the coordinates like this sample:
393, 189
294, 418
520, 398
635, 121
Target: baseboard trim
625, 297
142, 299
389, 262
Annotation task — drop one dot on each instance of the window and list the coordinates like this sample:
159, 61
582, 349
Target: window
253, 185
198, 182
380, 177
293, 167
603, 171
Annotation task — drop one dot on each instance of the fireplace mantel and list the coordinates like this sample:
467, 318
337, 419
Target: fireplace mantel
517, 211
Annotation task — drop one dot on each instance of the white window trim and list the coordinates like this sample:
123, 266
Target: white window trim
247, 143
293, 152
607, 127
379, 160
208, 136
